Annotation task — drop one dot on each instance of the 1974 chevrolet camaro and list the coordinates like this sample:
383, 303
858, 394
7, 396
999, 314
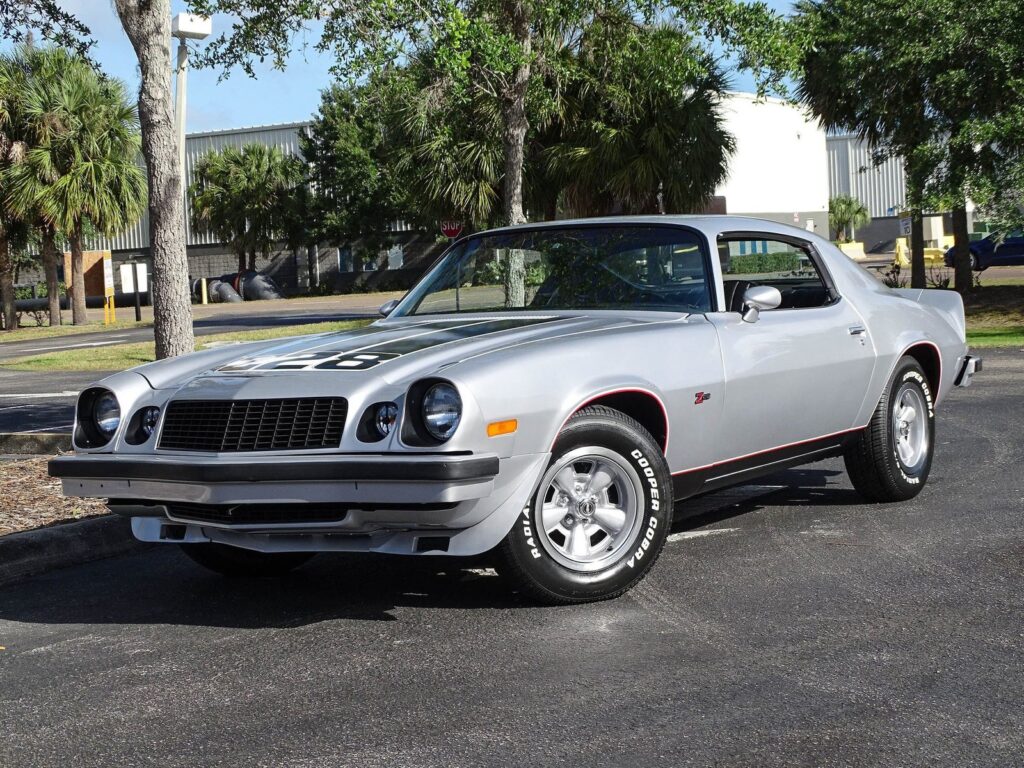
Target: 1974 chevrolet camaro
550, 392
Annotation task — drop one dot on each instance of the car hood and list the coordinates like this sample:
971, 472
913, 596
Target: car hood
394, 350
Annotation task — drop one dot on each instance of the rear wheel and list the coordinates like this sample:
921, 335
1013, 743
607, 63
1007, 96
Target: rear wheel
599, 517
235, 561
892, 457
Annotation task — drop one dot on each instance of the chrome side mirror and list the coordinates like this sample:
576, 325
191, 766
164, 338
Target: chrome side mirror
758, 298
388, 307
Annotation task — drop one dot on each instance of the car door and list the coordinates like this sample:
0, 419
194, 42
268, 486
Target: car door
1010, 250
798, 374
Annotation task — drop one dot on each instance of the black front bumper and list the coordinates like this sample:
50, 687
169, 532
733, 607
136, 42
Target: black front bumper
275, 469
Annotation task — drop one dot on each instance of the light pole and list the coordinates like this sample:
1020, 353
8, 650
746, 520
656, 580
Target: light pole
185, 27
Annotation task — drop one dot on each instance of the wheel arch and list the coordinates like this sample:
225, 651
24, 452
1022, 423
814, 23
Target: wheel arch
929, 358
636, 402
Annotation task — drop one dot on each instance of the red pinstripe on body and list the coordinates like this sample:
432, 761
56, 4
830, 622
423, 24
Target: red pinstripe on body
641, 390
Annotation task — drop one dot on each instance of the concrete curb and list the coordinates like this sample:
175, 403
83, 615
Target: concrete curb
34, 442
45, 549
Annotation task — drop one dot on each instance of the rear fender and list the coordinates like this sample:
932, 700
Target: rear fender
947, 303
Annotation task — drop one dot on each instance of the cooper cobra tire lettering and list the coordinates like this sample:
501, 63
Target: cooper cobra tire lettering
528, 533
541, 565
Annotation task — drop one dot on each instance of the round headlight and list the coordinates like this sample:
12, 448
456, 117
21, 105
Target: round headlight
385, 418
442, 410
106, 414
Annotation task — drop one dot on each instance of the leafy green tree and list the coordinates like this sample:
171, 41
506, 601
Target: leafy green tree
864, 71
357, 194
500, 47
846, 214
935, 82
241, 195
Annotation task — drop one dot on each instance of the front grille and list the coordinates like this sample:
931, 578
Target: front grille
253, 425
255, 514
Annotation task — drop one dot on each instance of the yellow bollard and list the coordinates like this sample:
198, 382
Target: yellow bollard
202, 289
109, 313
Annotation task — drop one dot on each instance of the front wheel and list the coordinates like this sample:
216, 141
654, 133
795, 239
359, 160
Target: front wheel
890, 460
246, 563
599, 517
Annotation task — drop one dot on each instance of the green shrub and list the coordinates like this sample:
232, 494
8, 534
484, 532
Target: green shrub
758, 263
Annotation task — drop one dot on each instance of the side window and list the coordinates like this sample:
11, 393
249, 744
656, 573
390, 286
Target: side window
750, 261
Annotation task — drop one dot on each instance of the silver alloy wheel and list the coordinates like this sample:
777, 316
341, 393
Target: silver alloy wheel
910, 427
589, 508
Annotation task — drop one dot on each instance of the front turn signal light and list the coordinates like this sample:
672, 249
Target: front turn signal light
506, 427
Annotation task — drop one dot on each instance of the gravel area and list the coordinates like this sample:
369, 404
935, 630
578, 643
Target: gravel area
30, 498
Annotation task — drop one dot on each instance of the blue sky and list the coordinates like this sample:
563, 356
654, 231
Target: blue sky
272, 97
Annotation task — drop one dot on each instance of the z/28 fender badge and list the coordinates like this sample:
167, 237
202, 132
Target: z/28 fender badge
700, 397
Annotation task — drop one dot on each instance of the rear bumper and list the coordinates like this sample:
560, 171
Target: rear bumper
969, 366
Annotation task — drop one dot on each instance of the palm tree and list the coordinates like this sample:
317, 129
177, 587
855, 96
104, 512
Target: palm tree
80, 166
30, 119
240, 195
101, 183
846, 214
642, 131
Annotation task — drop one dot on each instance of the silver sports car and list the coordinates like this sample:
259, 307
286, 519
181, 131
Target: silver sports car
548, 392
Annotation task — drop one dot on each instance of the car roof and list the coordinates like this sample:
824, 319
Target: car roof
706, 222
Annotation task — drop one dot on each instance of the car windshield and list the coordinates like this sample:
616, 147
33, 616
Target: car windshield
565, 268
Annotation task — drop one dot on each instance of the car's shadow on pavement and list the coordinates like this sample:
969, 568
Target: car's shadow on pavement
161, 586
802, 487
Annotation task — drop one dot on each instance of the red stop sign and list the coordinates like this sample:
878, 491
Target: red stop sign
451, 228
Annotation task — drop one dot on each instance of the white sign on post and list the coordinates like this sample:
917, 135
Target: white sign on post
128, 278
108, 275
906, 226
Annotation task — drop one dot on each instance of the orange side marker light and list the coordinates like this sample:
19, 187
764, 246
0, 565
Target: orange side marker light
506, 427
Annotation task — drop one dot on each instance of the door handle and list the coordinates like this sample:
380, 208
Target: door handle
858, 330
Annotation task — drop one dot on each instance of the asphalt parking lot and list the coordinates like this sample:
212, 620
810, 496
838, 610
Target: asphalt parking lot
789, 624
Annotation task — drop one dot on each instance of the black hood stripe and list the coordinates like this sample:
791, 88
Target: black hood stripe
330, 356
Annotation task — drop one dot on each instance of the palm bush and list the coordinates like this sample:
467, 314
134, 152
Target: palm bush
242, 196
845, 215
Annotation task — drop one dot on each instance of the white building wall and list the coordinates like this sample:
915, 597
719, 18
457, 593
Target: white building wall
780, 165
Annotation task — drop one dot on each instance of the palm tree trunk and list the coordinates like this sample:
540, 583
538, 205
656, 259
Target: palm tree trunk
963, 279
148, 26
49, 252
79, 316
10, 316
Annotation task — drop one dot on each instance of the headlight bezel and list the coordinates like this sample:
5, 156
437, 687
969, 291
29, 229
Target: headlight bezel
369, 429
445, 399
88, 433
414, 429
136, 433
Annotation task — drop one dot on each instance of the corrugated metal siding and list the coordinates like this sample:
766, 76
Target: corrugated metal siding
852, 171
285, 137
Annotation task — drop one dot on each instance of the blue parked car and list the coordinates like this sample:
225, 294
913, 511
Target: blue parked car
990, 252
